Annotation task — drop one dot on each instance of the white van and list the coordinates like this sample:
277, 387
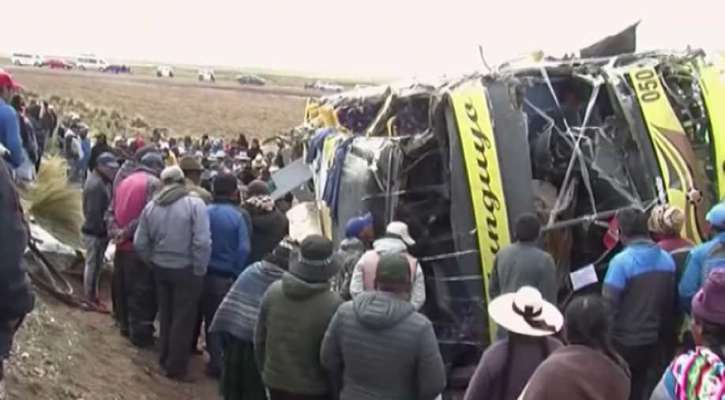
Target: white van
25, 59
91, 63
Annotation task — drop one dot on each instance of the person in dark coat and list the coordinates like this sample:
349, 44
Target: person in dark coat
293, 318
507, 365
16, 295
589, 368
235, 321
96, 200
254, 149
269, 225
101, 146
378, 347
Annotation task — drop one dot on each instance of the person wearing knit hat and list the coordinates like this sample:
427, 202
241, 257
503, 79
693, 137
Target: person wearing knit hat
236, 319
269, 224
700, 373
174, 238
704, 258
293, 318
379, 347
230, 238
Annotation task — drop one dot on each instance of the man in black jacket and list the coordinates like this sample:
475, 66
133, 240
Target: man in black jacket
16, 296
96, 200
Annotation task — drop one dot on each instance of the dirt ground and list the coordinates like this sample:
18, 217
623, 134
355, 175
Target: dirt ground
184, 106
63, 353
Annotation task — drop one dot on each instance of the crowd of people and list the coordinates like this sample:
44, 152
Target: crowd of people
203, 253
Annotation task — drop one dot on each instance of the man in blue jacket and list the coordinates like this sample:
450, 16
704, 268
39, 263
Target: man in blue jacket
640, 286
9, 124
704, 258
230, 234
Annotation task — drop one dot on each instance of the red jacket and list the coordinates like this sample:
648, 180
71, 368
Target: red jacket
129, 200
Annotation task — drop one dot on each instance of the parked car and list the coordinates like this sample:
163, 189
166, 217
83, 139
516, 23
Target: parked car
165, 71
117, 69
25, 59
91, 63
251, 80
57, 63
325, 87
206, 75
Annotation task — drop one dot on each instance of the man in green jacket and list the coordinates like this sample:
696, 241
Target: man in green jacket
292, 321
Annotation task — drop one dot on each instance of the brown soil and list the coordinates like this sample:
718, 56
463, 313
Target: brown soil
68, 354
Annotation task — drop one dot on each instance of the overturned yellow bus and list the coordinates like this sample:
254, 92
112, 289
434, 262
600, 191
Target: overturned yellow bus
571, 140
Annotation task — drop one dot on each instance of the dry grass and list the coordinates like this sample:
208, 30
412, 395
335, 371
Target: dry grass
54, 204
185, 109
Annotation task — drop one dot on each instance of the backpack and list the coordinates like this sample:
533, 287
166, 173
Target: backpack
714, 259
699, 375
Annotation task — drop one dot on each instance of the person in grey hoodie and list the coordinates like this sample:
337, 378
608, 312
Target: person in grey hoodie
173, 236
378, 347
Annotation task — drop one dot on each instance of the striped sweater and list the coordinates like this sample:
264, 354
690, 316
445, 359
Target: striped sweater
237, 315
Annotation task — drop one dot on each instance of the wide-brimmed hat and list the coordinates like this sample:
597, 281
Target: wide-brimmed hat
315, 261
709, 302
525, 312
189, 163
400, 230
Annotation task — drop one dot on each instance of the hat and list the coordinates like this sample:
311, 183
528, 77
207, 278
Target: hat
107, 159
315, 261
153, 160
400, 230
280, 256
257, 188
666, 219
716, 216
526, 313
224, 185
242, 156
7, 81
393, 269
189, 163
709, 302
356, 225
258, 162
172, 174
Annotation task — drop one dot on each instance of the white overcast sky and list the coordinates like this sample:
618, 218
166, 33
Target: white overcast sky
370, 38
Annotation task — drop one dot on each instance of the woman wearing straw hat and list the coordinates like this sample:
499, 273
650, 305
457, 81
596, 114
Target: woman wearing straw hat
508, 364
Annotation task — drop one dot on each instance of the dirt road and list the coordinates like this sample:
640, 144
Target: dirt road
68, 354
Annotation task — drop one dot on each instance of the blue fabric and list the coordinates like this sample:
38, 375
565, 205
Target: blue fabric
692, 278
315, 144
334, 176
716, 215
636, 259
10, 134
230, 244
86, 147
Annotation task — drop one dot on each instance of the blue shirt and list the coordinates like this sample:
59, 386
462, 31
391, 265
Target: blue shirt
86, 147
640, 285
10, 134
692, 278
230, 240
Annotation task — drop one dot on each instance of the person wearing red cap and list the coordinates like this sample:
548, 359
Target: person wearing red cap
12, 145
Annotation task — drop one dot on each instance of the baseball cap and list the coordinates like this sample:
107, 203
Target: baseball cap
400, 230
6, 80
358, 224
107, 159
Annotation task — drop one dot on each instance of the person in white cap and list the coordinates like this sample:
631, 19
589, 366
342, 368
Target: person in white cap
507, 365
397, 240
174, 237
